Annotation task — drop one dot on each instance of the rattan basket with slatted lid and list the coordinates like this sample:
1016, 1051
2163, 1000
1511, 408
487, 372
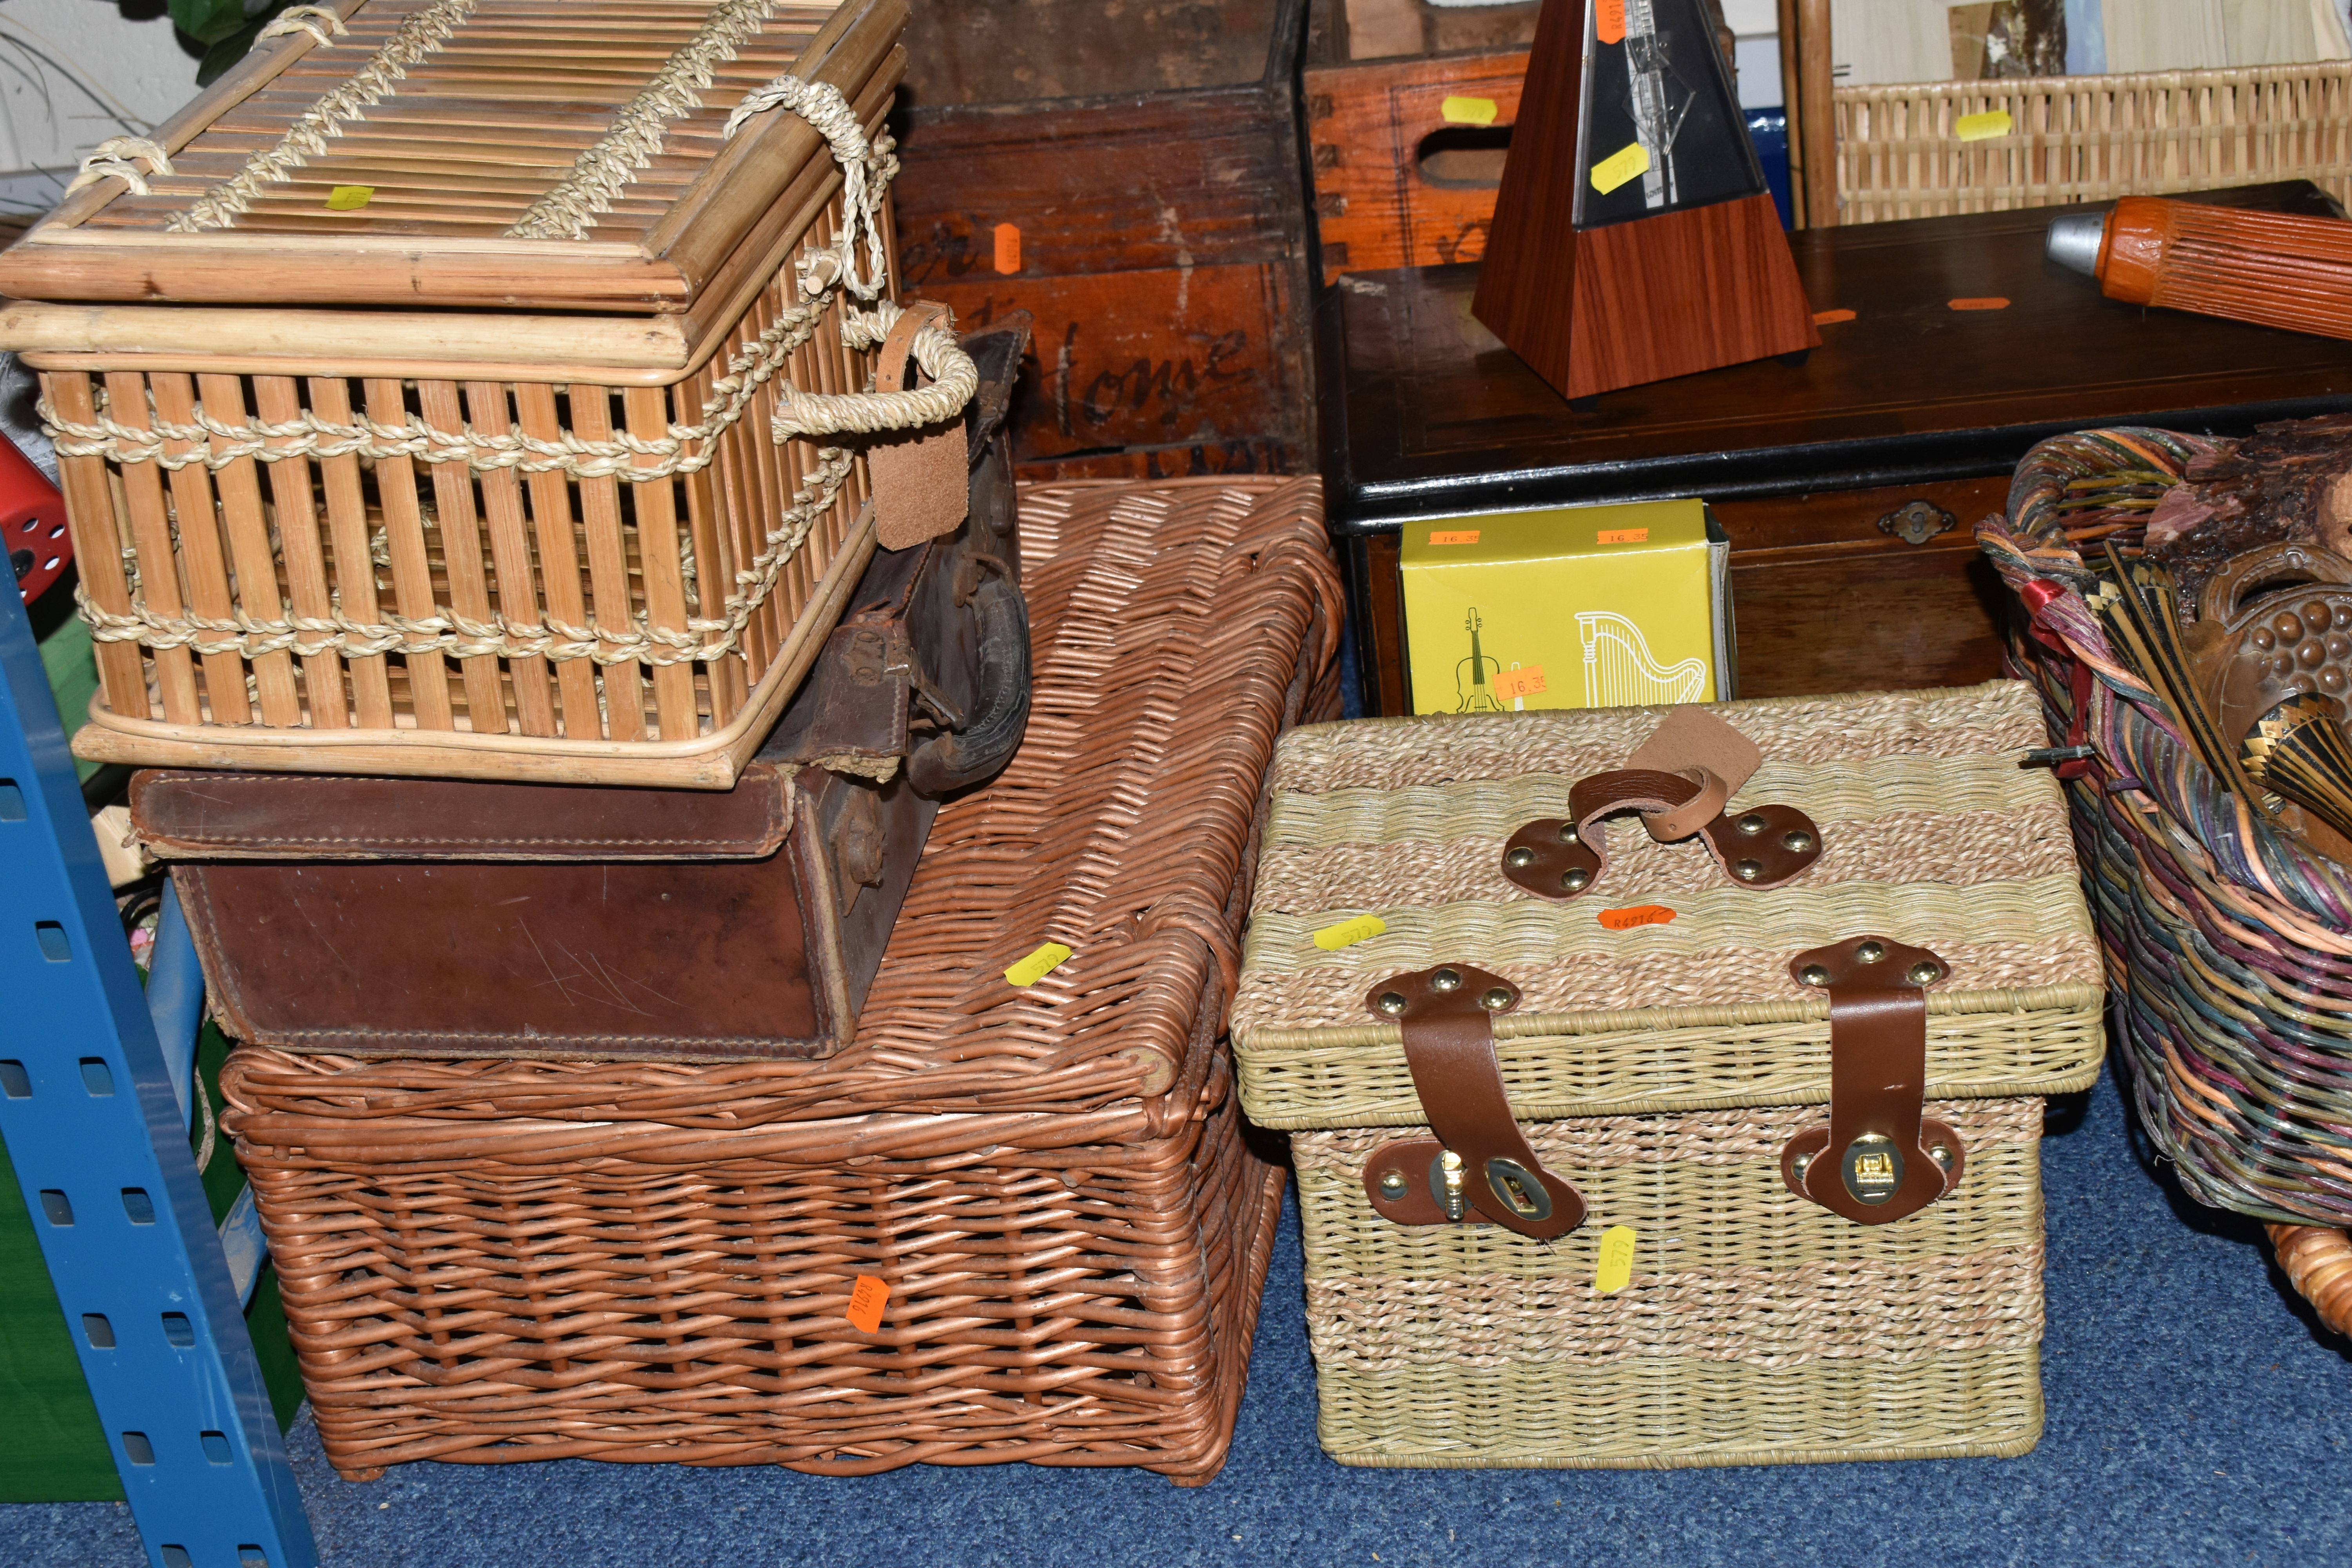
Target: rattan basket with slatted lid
1663, 1071
480, 388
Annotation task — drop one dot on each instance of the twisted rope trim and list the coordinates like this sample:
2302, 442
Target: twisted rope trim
448, 632
322, 22
118, 158
417, 37
217, 443
570, 208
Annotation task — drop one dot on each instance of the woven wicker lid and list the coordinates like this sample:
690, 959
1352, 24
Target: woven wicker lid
543, 153
1932, 835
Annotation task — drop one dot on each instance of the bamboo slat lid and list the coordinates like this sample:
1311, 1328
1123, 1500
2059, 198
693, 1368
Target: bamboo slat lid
540, 153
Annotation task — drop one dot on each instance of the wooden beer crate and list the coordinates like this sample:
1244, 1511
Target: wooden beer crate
1133, 181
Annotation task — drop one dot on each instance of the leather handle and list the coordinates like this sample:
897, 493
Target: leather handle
1879, 1159
1480, 1164
1557, 857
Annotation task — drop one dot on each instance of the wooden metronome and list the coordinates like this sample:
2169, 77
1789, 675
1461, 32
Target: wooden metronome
1633, 239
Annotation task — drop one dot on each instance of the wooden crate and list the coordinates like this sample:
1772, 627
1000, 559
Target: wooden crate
1134, 184
1409, 114
575, 510
1408, 157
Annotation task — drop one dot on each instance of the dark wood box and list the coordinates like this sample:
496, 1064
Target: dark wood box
1133, 178
1904, 426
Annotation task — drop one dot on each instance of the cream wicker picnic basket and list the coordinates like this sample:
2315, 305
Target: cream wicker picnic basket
1930, 149
1659, 1273
481, 388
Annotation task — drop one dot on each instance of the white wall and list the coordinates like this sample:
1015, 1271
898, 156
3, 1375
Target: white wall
73, 73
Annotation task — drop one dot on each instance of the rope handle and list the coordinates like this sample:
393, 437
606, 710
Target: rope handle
954, 378
866, 171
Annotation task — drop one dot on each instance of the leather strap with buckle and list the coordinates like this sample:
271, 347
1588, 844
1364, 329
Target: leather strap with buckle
1879, 1159
1679, 780
1479, 1168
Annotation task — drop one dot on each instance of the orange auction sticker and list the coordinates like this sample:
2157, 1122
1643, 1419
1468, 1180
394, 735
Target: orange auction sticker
1622, 536
1455, 536
866, 1301
1609, 21
1008, 248
1517, 682
1639, 915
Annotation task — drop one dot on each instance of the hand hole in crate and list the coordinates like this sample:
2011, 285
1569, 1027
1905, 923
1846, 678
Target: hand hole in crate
15, 1082
97, 1077
139, 1451
97, 1331
51, 937
251, 1557
178, 1332
1464, 157
138, 1206
177, 1557
58, 1208
217, 1448
12, 802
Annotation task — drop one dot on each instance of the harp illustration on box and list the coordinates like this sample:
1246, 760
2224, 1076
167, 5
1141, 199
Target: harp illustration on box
1620, 672
1474, 677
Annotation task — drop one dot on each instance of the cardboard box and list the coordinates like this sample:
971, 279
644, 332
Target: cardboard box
1591, 606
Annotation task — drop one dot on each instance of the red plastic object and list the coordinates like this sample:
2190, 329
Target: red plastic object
32, 523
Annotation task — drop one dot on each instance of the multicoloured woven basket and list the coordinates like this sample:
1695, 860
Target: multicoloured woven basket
2229, 945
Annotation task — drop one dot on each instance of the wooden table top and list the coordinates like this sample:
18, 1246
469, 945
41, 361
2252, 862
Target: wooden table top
1425, 411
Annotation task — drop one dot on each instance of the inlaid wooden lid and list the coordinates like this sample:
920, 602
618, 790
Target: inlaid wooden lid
535, 153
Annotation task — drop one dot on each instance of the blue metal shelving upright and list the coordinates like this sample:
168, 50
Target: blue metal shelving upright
97, 1128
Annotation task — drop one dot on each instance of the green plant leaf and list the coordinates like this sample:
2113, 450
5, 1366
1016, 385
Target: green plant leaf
209, 21
229, 51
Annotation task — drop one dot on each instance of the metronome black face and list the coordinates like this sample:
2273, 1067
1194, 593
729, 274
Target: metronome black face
1661, 126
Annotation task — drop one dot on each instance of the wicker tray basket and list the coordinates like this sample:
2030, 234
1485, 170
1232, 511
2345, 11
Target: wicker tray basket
2089, 138
413, 421
1660, 1068
493, 1261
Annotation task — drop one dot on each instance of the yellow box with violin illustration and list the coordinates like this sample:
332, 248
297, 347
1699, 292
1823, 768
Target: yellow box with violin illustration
1590, 607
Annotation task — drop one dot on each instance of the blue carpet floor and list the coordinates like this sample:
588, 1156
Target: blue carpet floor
2195, 1417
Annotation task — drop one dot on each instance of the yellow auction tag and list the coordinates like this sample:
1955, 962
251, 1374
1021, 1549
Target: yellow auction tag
1038, 965
1467, 111
1983, 127
1616, 1260
1630, 161
349, 198
1348, 933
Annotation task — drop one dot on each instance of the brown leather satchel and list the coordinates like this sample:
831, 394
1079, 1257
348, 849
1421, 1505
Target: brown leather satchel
410, 917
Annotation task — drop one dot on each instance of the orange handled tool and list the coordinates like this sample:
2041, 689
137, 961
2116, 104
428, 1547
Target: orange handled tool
2269, 268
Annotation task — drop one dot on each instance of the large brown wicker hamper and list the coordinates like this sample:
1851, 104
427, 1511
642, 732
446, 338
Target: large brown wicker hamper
486, 1261
420, 412
1661, 1055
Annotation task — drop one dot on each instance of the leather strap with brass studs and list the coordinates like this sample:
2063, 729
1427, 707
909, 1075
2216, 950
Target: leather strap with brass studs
1879, 1157
1478, 1169
1562, 858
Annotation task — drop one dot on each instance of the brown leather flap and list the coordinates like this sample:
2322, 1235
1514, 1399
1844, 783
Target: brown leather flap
191, 816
